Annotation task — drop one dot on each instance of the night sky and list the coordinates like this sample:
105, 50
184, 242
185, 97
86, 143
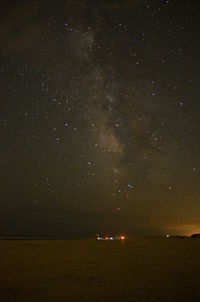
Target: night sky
99, 117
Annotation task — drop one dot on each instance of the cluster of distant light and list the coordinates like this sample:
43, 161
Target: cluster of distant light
111, 238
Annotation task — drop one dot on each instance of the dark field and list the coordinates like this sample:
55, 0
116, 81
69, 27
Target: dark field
87, 270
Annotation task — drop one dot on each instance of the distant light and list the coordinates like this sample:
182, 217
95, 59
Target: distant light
167, 236
110, 238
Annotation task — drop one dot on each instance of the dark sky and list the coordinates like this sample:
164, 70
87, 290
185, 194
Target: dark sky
99, 117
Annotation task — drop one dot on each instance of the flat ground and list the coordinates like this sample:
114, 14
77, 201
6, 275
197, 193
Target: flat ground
86, 270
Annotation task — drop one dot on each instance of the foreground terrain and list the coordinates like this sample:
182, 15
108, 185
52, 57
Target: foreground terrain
156, 269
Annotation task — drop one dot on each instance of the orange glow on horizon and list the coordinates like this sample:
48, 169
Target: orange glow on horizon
184, 230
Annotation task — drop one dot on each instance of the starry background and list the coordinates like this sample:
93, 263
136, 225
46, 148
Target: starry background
99, 117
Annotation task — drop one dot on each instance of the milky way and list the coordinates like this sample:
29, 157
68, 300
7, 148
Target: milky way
99, 117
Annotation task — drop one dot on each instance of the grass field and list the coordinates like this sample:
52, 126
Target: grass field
87, 270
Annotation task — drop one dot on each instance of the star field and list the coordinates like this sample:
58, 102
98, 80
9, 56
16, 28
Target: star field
99, 117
